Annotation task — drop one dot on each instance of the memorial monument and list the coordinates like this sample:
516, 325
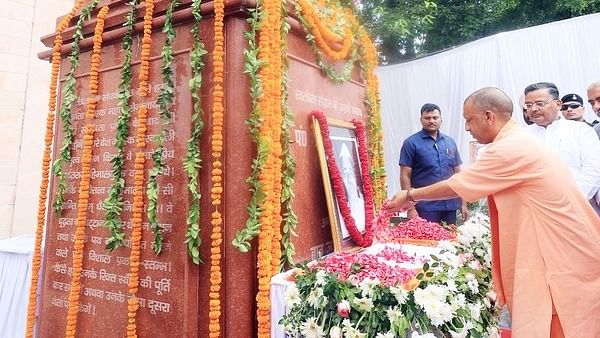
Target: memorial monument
214, 68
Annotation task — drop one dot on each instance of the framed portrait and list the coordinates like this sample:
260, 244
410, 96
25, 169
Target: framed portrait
345, 152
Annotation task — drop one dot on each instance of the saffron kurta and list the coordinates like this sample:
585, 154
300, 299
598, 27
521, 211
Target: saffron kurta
545, 235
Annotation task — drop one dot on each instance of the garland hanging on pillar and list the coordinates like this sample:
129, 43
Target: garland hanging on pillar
216, 191
290, 219
113, 204
375, 135
138, 178
165, 102
269, 104
84, 186
43, 196
192, 161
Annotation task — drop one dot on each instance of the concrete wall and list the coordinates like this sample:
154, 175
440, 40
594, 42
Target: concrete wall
24, 82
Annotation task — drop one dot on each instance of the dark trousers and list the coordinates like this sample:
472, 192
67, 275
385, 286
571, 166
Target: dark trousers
448, 216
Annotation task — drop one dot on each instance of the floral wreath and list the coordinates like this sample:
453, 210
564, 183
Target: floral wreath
364, 240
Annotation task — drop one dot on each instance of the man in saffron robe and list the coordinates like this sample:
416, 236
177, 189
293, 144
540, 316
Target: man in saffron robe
545, 234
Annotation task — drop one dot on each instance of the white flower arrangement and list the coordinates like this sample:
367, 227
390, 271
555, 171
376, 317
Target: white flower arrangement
291, 296
310, 329
452, 297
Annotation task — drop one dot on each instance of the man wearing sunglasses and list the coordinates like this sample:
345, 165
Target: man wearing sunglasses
572, 109
576, 143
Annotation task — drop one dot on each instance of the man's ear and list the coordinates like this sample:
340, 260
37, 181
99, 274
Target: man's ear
489, 116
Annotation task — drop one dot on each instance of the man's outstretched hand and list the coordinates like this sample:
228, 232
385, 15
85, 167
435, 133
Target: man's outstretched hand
398, 203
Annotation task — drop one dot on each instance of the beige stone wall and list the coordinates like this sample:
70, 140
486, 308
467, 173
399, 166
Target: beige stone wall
23, 101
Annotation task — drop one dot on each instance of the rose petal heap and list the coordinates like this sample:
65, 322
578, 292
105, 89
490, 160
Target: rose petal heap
396, 255
416, 228
357, 267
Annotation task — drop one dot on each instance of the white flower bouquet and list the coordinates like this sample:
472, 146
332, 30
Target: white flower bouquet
451, 296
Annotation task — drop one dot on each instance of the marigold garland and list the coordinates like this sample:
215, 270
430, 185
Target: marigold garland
269, 246
84, 186
113, 204
138, 178
273, 129
214, 295
43, 196
69, 97
336, 17
335, 47
368, 64
144, 86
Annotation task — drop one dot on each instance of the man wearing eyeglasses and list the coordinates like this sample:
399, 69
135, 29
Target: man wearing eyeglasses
576, 143
572, 109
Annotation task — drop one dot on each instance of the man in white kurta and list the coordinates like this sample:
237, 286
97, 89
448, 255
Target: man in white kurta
576, 143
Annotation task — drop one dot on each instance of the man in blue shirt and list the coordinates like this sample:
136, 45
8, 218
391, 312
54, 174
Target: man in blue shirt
428, 157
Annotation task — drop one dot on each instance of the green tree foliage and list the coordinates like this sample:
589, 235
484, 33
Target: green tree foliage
398, 26
408, 29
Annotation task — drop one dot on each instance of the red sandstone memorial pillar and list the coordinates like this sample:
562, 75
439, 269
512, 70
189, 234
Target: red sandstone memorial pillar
174, 291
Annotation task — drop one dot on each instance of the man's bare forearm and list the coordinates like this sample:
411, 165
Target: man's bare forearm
437, 191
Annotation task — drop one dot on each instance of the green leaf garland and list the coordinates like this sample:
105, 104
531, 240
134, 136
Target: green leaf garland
251, 67
165, 100
290, 219
113, 204
192, 161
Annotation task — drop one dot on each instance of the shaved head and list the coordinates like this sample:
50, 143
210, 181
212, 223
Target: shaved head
491, 99
486, 111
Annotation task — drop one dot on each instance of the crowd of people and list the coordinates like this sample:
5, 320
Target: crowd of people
541, 184
430, 156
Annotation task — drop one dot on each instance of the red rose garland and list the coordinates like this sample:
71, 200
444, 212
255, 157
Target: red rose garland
338, 185
363, 156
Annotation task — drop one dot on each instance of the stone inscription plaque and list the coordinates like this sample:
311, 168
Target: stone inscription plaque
164, 293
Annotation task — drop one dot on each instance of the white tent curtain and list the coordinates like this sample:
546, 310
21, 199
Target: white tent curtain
15, 279
564, 52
